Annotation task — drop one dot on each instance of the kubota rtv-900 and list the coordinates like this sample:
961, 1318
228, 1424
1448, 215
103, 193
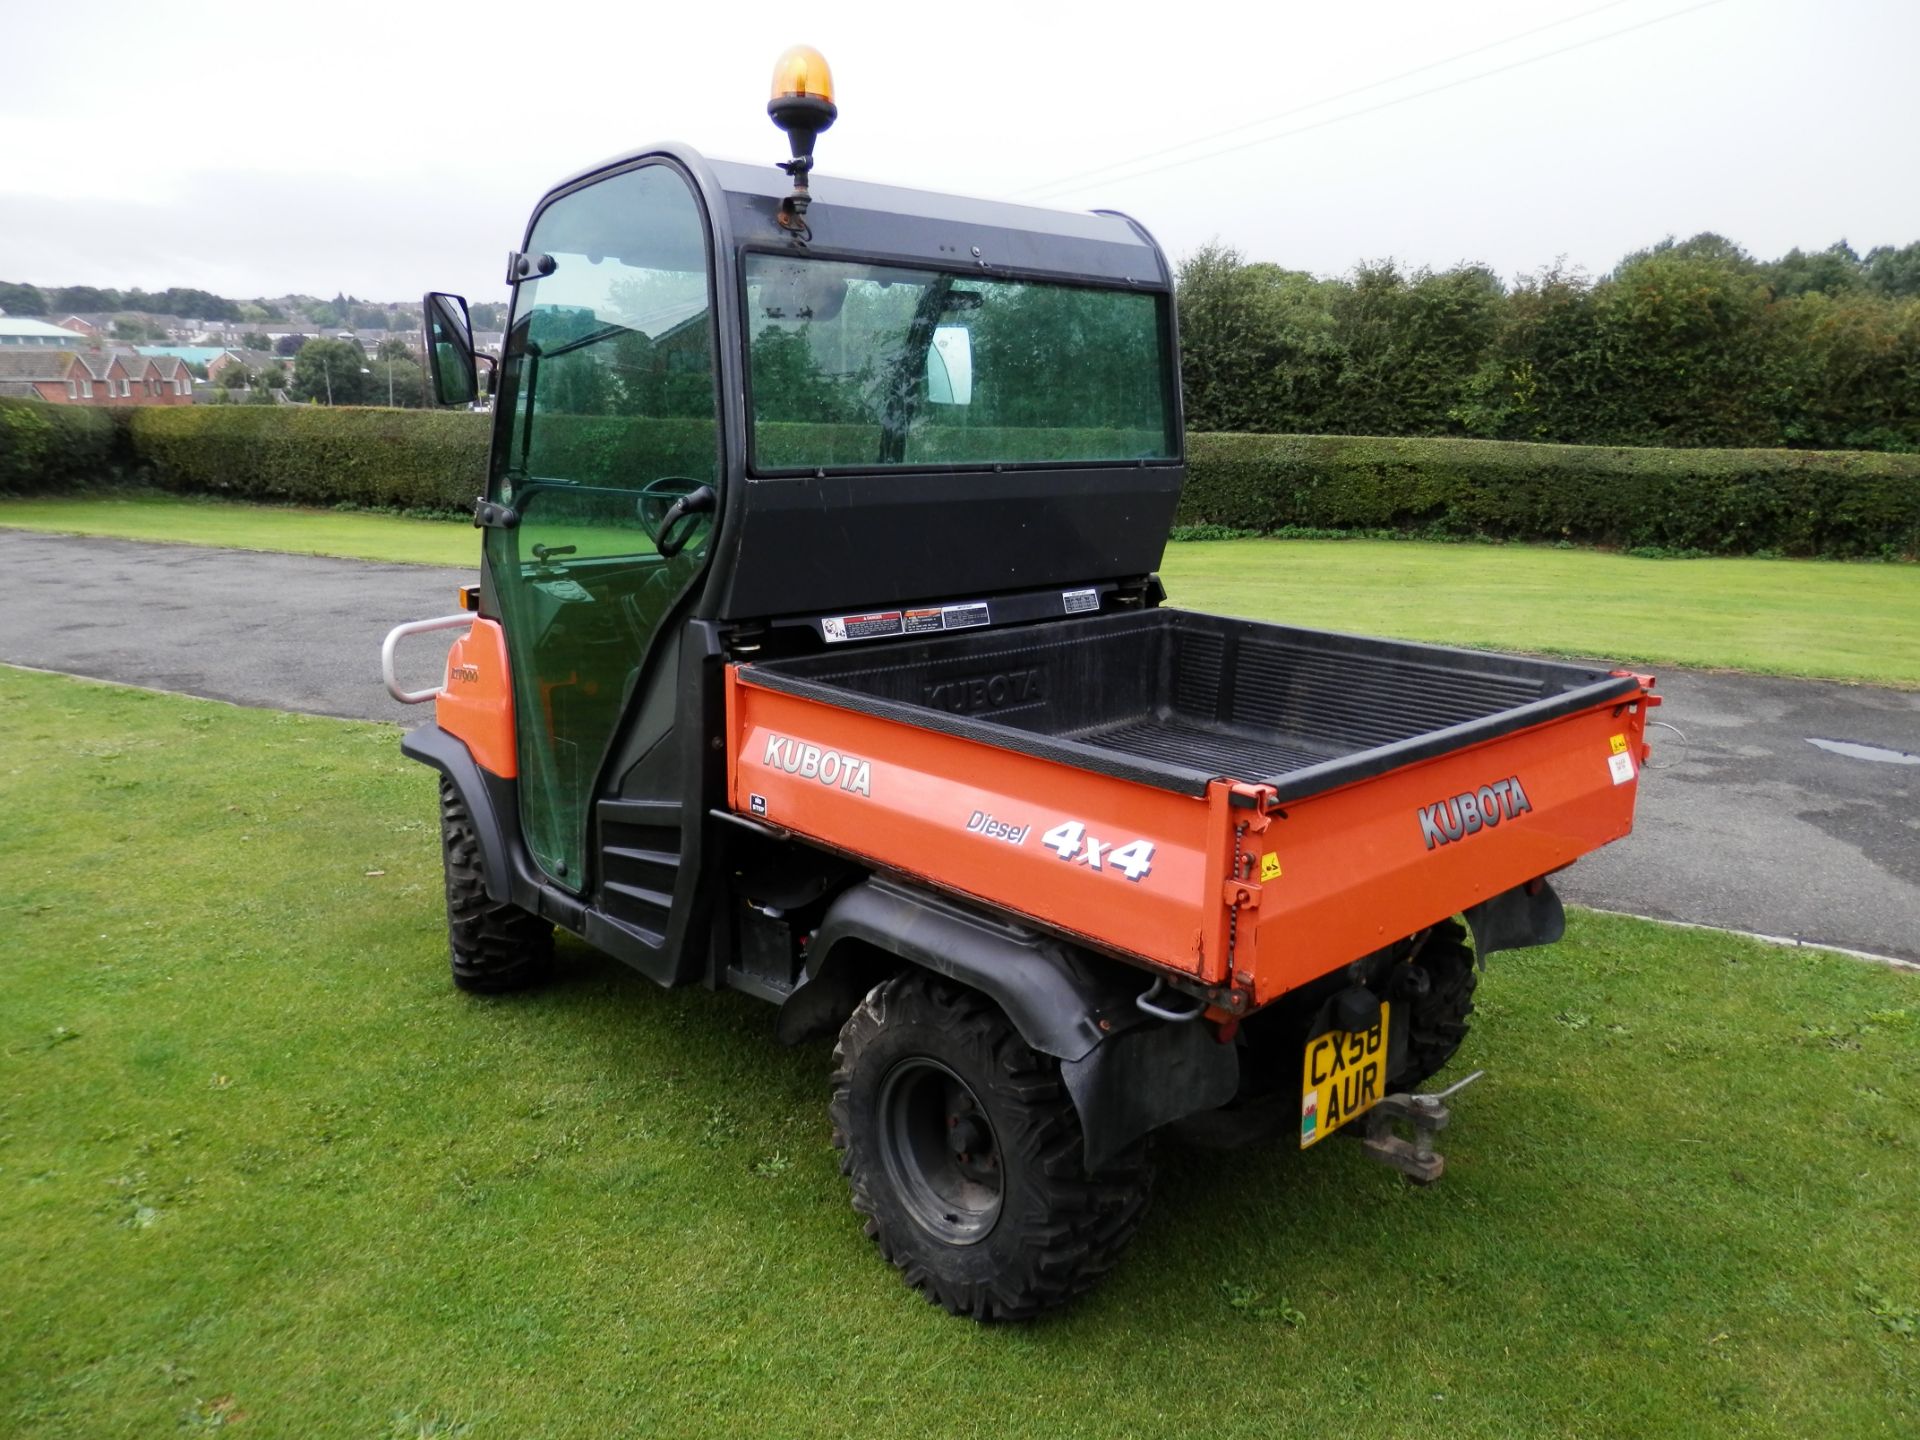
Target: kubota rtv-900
819, 653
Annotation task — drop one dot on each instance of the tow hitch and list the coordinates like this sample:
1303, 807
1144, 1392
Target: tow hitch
1426, 1116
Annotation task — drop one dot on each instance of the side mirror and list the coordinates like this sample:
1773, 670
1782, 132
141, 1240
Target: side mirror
950, 366
449, 345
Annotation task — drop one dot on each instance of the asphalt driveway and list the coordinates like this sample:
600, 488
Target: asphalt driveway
1745, 824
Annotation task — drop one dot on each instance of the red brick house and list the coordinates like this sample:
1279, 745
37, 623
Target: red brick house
67, 377
116, 379
80, 325
57, 376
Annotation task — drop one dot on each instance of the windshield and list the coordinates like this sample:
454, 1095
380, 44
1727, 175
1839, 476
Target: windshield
859, 366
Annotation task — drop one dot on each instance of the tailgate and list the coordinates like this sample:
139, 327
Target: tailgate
1237, 886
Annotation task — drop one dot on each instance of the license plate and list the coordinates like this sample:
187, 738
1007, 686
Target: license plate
1345, 1072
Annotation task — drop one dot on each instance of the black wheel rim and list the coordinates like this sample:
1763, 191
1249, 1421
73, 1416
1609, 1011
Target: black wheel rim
940, 1151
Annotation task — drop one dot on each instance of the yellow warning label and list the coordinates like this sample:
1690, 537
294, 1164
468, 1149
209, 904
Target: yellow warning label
1619, 743
1269, 867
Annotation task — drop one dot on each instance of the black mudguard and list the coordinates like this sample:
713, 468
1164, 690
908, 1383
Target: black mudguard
1128, 1074
1516, 919
489, 799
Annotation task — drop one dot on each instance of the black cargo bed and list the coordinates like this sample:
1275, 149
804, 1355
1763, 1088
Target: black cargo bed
1175, 699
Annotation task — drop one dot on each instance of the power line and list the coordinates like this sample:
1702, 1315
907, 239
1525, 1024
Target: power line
1319, 104
1069, 185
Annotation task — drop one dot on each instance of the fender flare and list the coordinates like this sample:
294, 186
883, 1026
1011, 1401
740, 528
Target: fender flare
487, 797
1127, 1074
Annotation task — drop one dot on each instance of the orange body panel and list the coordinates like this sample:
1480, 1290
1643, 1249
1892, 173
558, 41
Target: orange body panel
1357, 871
1254, 897
475, 702
909, 809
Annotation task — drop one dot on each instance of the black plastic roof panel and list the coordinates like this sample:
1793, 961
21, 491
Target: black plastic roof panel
858, 217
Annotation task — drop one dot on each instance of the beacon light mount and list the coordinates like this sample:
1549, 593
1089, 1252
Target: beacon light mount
802, 105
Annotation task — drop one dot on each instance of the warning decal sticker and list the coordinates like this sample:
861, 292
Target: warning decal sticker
861, 627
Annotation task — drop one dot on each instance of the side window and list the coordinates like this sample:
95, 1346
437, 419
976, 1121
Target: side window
609, 366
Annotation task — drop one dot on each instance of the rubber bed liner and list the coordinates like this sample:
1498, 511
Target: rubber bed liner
1175, 699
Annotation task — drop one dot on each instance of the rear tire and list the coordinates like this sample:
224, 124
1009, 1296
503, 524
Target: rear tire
494, 946
964, 1154
1437, 1020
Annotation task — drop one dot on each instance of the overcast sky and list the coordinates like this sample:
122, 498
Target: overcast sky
384, 149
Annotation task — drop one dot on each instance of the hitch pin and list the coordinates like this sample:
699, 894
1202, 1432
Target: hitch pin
1442, 1096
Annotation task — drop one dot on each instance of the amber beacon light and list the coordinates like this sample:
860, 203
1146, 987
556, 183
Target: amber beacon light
802, 105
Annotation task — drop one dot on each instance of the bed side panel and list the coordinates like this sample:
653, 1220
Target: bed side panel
1127, 866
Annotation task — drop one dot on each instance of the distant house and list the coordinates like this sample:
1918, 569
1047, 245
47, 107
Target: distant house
21, 331
120, 378
192, 354
79, 325
31, 373
251, 361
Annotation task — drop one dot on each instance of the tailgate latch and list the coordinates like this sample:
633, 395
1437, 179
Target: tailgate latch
1426, 1116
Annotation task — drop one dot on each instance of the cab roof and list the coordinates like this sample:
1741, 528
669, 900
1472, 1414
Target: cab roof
857, 218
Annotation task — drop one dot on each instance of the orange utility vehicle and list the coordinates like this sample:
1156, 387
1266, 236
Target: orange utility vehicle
819, 653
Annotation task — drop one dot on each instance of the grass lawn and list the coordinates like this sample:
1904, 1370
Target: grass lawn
1784, 617
261, 1167
297, 530
1841, 621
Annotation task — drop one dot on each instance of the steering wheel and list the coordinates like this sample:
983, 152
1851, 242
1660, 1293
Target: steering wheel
666, 501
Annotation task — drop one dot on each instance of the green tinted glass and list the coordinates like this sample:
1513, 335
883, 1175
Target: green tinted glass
865, 365
608, 396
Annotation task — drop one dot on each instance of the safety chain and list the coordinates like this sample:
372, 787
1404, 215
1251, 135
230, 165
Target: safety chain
1233, 910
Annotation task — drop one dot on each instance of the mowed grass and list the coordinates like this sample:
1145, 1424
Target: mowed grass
1821, 619
297, 530
1818, 618
262, 1168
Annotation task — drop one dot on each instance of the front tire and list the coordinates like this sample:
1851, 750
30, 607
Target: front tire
494, 946
964, 1154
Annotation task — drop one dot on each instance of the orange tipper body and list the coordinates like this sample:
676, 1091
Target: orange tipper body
1229, 888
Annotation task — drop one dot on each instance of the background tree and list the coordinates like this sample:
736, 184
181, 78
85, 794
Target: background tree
272, 376
197, 304
1832, 271
139, 329
1687, 342
256, 340
333, 373
76, 299
393, 348
1894, 272
1410, 344
288, 345
22, 299
233, 376
399, 382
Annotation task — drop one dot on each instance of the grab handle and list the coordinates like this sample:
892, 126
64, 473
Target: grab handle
391, 643
1143, 1002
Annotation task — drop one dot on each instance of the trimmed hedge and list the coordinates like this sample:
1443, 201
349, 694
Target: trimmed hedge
1791, 502
55, 447
311, 455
